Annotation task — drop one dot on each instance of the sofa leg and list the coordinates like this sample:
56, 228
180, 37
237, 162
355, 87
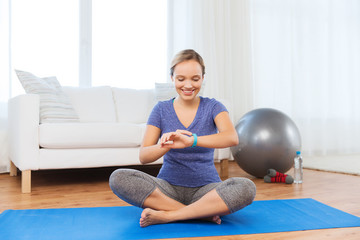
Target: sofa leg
13, 169
224, 168
26, 181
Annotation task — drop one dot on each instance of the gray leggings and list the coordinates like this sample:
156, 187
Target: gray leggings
134, 187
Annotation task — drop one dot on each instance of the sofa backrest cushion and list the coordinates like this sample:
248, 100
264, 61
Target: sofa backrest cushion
92, 104
133, 105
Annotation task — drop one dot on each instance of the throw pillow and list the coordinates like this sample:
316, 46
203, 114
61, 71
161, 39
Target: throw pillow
55, 105
166, 91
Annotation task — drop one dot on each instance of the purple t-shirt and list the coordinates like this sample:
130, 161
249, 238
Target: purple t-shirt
191, 166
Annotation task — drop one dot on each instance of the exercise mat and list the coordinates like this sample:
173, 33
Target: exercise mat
123, 222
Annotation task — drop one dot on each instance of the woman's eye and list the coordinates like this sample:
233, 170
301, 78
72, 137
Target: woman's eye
196, 79
180, 79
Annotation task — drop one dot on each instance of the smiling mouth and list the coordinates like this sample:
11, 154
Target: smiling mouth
188, 92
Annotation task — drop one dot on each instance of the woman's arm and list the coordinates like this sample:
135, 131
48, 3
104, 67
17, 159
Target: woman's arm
150, 150
226, 137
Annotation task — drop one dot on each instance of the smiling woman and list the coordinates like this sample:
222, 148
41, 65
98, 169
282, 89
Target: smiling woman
188, 83
189, 74
188, 185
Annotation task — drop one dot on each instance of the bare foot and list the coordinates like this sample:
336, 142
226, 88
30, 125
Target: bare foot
216, 219
151, 217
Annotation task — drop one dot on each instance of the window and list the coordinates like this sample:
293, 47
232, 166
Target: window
127, 41
45, 39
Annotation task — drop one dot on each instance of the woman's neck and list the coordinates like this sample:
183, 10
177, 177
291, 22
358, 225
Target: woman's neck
188, 103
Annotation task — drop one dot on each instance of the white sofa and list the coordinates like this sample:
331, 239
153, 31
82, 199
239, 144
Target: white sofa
111, 125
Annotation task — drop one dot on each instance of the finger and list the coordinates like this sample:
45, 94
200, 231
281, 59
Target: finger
184, 132
168, 144
170, 136
163, 139
166, 137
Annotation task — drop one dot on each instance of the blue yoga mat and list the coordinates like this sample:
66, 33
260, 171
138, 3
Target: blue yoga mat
123, 222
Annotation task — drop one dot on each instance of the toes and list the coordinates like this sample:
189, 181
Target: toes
143, 223
217, 219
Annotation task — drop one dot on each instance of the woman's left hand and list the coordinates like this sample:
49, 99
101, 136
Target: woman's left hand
178, 139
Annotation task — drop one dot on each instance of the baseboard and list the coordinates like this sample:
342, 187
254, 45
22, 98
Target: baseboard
349, 164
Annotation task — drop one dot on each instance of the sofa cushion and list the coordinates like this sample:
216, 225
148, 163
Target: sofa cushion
55, 105
92, 104
133, 105
90, 135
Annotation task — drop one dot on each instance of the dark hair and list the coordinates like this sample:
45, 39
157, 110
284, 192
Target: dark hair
186, 55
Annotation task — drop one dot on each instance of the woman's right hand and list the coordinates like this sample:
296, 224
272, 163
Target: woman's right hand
177, 139
151, 149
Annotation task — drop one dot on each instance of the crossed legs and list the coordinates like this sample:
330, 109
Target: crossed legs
162, 204
209, 207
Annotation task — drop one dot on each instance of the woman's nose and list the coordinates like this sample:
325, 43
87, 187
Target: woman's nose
188, 84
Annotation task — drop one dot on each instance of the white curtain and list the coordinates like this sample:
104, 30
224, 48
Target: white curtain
299, 56
4, 82
306, 58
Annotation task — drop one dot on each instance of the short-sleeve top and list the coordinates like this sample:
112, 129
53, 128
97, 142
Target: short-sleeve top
191, 166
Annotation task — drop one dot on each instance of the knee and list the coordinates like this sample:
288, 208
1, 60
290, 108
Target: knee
130, 185
238, 193
249, 188
242, 186
114, 178
119, 178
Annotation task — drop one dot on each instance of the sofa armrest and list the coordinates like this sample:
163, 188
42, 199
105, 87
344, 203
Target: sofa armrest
23, 130
222, 153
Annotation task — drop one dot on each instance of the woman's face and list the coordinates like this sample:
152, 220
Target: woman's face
188, 79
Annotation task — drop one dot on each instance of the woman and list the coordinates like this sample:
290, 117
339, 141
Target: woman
189, 128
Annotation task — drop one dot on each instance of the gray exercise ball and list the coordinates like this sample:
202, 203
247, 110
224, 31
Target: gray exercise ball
267, 139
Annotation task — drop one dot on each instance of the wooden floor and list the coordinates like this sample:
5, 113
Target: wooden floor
89, 188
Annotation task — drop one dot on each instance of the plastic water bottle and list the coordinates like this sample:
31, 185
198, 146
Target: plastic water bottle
298, 168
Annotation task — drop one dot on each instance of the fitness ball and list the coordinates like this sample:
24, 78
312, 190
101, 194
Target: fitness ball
267, 139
